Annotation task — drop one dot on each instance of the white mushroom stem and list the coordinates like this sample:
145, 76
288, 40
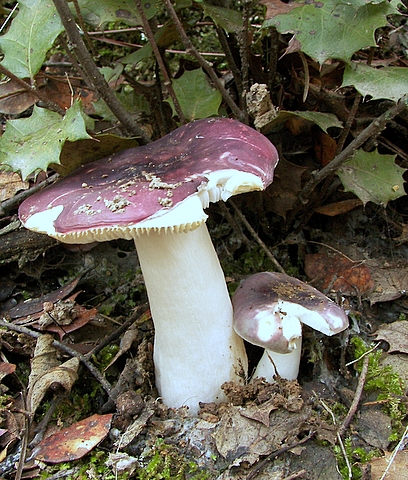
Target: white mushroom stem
286, 365
196, 349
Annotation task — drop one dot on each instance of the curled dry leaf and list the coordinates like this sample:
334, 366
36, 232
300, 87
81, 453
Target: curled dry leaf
45, 359
75, 441
45, 372
396, 334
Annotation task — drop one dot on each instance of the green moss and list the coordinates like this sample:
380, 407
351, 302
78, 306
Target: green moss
385, 382
166, 463
355, 457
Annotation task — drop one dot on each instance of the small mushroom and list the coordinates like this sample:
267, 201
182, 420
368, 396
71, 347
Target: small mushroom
269, 309
156, 194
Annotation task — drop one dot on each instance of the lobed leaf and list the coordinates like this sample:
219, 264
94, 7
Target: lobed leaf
29, 145
334, 28
373, 177
196, 97
31, 35
387, 82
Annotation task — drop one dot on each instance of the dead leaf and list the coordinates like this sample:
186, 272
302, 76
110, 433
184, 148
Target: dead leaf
125, 343
75, 441
6, 369
390, 280
338, 208
82, 317
10, 184
37, 305
63, 376
46, 372
240, 439
398, 469
325, 147
396, 334
337, 272
403, 237
287, 184
134, 429
44, 359
14, 99
260, 413
276, 7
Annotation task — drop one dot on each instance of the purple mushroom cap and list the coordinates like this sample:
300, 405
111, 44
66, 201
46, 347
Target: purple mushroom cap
139, 183
270, 298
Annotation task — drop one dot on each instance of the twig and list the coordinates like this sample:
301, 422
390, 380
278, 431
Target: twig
400, 446
34, 91
276, 453
269, 254
118, 332
374, 129
201, 61
13, 202
243, 52
357, 397
349, 123
159, 58
339, 439
73, 353
94, 75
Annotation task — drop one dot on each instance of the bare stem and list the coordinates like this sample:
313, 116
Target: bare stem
93, 73
159, 58
374, 129
37, 93
239, 114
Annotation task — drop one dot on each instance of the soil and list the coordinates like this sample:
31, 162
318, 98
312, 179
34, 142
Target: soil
275, 431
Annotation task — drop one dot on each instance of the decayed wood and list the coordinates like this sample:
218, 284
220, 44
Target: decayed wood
22, 245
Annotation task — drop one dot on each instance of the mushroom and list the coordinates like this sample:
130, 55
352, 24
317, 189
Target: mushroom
269, 309
155, 194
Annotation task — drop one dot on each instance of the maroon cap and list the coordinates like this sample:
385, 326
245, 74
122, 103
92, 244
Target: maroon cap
137, 189
268, 307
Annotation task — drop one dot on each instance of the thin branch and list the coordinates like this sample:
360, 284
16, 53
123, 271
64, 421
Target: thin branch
73, 353
93, 73
159, 58
349, 123
201, 61
374, 129
259, 466
243, 52
14, 201
357, 397
37, 93
269, 254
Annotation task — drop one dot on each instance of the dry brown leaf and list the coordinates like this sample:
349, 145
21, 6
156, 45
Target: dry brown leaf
10, 184
75, 441
338, 273
338, 208
260, 413
276, 7
398, 469
390, 280
125, 343
240, 439
44, 359
63, 376
6, 368
325, 147
396, 334
37, 305
285, 190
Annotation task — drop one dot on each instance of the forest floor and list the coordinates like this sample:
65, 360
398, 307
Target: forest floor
342, 419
